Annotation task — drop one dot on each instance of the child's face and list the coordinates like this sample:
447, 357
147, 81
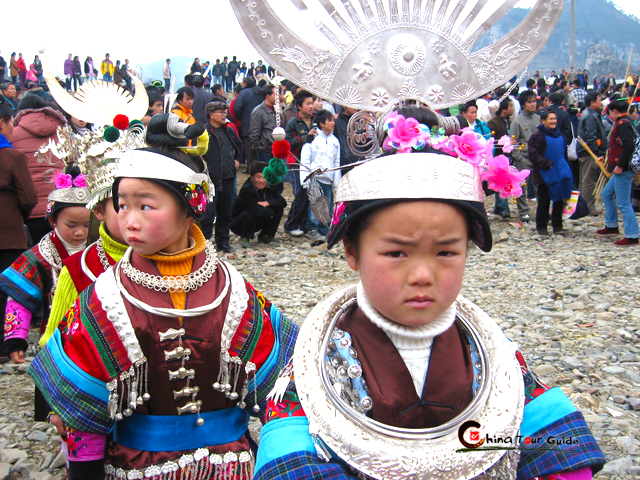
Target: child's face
411, 260
151, 218
106, 213
328, 126
72, 224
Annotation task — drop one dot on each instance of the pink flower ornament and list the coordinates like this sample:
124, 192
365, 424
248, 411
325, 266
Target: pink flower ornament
506, 144
337, 212
406, 133
62, 180
469, 146
80, 181
504, 178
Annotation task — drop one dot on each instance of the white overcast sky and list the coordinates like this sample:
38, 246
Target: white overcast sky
131, 30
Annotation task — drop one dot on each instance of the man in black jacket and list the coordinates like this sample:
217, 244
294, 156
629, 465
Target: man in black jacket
223, 158
232, 69
592, 132
258, 208
248, 99
298, 132
201, 98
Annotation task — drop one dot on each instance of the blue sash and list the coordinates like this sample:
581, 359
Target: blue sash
169, 433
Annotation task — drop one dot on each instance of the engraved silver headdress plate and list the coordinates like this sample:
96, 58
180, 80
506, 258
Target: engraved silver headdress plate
386, 452
368, 54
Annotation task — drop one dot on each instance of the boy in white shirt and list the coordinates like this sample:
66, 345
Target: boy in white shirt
323, 153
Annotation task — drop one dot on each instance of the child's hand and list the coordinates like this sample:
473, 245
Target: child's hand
57, 422
17, 357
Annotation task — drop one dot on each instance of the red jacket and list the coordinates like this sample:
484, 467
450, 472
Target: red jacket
33, 129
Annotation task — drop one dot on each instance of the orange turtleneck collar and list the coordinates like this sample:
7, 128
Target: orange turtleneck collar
180, 263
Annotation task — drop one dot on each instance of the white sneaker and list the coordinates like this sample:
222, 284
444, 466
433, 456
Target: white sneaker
295, 233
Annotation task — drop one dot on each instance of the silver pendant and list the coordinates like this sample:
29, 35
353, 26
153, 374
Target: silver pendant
176, 353
190, 407
181, 373
171, 334
185, 392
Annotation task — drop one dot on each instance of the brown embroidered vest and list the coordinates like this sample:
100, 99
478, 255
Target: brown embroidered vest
448, 387
202, 336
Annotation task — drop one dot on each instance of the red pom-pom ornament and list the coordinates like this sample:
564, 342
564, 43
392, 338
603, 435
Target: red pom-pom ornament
281, 149
121, 122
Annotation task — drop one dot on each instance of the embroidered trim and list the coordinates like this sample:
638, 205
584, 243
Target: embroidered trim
133, 382
198, 465
50, 253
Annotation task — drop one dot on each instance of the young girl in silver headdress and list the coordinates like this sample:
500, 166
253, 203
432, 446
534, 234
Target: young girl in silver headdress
156, 368
399, 376
31, 280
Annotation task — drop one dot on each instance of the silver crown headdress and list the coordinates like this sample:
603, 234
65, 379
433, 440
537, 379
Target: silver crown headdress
97, 153
373, 53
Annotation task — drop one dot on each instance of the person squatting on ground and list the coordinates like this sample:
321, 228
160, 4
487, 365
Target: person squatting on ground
397, 347
551, 172
257, 209
617, 192
171, 339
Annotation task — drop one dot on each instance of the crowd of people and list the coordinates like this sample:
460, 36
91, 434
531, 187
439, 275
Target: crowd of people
562, 130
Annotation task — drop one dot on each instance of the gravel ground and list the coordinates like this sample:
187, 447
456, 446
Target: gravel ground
571, 302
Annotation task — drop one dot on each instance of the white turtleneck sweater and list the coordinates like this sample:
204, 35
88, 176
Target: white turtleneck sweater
413, 343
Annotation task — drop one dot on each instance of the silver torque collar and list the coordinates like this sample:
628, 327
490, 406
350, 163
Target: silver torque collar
386, 452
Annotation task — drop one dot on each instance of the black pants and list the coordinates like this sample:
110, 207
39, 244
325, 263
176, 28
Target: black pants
542, 214
248, 151
7, 257
224, 206
167, 84
299, 211
246, 225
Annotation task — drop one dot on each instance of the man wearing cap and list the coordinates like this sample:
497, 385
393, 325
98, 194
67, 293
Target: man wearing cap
223, 158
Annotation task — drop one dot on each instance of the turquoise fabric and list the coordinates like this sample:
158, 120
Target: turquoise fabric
542, 411
149, 432
23, 284
282, 437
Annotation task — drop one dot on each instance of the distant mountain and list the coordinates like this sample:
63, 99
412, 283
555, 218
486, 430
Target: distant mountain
604, 37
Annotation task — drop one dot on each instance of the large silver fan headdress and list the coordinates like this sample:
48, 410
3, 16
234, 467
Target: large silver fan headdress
368, 54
